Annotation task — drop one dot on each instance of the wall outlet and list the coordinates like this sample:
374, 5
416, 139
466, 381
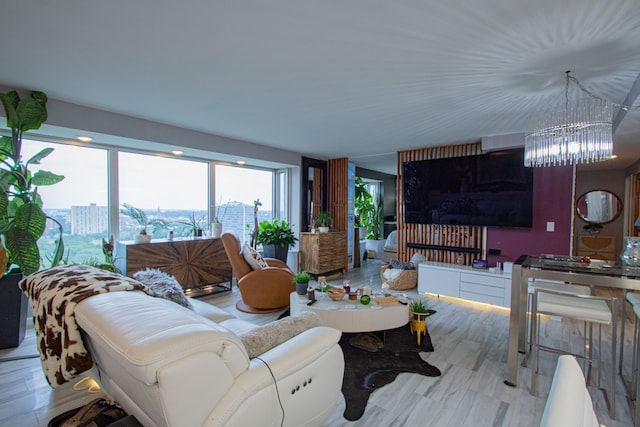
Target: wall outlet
551, 226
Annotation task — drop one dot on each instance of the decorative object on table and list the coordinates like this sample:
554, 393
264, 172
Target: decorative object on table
144, 222
23, 221
276, 237
630, 255
353, 296
419, 312
367, 371
216, 224
323, 221
365, 299
385, 289
336, 294
311, 293
346, 285
301, 279
216, 228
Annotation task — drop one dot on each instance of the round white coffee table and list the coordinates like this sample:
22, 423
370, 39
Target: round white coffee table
352, 316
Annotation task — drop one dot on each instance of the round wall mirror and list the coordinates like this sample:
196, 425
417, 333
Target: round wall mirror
598, 207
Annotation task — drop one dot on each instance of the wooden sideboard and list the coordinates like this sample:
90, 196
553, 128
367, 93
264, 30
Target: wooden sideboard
323, 253
597, 246
200, 265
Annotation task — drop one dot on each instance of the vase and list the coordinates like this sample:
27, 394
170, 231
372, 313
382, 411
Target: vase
630, 255
142, 238
216, 229
418, 324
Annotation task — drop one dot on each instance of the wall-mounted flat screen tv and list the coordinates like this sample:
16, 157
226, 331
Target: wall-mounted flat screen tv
492, 190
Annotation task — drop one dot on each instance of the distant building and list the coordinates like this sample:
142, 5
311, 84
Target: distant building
90, 219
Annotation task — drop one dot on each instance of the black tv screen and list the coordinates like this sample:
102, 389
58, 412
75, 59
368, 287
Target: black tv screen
493, 190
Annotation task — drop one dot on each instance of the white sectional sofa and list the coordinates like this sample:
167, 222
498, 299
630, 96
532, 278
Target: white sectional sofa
171, 366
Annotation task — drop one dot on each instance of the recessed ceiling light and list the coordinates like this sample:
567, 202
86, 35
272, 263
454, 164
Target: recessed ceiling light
240, 162
84, 138
177, 152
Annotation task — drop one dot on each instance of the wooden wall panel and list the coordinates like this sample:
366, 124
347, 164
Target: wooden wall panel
429, 234
339, 196
316, 192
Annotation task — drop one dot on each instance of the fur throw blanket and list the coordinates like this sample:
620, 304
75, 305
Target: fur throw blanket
53, 294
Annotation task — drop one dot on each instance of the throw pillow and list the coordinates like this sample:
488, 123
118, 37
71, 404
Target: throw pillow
253, 258
263, 338
401, 265
163, 285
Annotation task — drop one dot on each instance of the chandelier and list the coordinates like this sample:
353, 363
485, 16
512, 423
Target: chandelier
579, 131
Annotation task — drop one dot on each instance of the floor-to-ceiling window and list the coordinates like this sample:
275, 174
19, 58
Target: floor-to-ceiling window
239, 192
172, 189
79, 202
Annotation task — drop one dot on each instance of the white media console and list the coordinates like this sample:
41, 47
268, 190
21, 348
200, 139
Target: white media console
465, 282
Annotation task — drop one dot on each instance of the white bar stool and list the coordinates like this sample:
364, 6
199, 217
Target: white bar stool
632, 298
550, 285
587, 308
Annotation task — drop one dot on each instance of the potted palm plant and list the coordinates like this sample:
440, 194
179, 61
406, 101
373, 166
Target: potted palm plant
144, 222
22, 219
276, 237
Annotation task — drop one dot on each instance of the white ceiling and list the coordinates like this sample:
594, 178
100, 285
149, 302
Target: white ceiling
359, 78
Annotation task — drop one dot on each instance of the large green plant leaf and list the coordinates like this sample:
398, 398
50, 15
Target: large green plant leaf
35, 160
31, 218
31, 113
46, 178
10, 103
5, 147
4, 203
23, 249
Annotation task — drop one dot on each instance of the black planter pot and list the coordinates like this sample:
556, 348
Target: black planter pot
301, 288
277, 252
13, 311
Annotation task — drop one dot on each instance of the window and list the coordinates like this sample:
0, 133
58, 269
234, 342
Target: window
174, 190
236, 190
79, 202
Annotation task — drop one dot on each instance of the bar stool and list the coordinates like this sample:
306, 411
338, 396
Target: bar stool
587, 308
550, 285
632, 298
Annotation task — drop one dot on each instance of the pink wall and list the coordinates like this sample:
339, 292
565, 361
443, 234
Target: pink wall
552, 201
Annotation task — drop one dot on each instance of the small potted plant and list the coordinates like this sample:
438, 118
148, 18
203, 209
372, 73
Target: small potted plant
419, 311
276, 237
194, 225
139, 216
301, 279
323, 221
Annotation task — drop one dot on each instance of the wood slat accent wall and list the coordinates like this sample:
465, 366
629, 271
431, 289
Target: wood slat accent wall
316, 193
339, 196
429, 234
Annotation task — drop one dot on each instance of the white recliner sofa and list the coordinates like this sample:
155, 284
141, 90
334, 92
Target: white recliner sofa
171, 366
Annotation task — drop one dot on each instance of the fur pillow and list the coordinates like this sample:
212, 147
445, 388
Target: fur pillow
401, 265
261, 339
253, 258
163, 285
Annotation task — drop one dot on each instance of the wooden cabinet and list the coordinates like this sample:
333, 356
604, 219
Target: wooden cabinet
200, 265
322, 253
597, 246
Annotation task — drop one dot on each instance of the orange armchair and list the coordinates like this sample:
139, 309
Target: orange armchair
263, 291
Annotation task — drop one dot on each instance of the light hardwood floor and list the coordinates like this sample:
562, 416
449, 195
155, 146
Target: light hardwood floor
470, 343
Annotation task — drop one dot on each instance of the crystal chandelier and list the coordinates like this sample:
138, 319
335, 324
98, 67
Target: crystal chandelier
579, 131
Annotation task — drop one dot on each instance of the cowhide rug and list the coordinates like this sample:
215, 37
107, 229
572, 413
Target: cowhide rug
366, 371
